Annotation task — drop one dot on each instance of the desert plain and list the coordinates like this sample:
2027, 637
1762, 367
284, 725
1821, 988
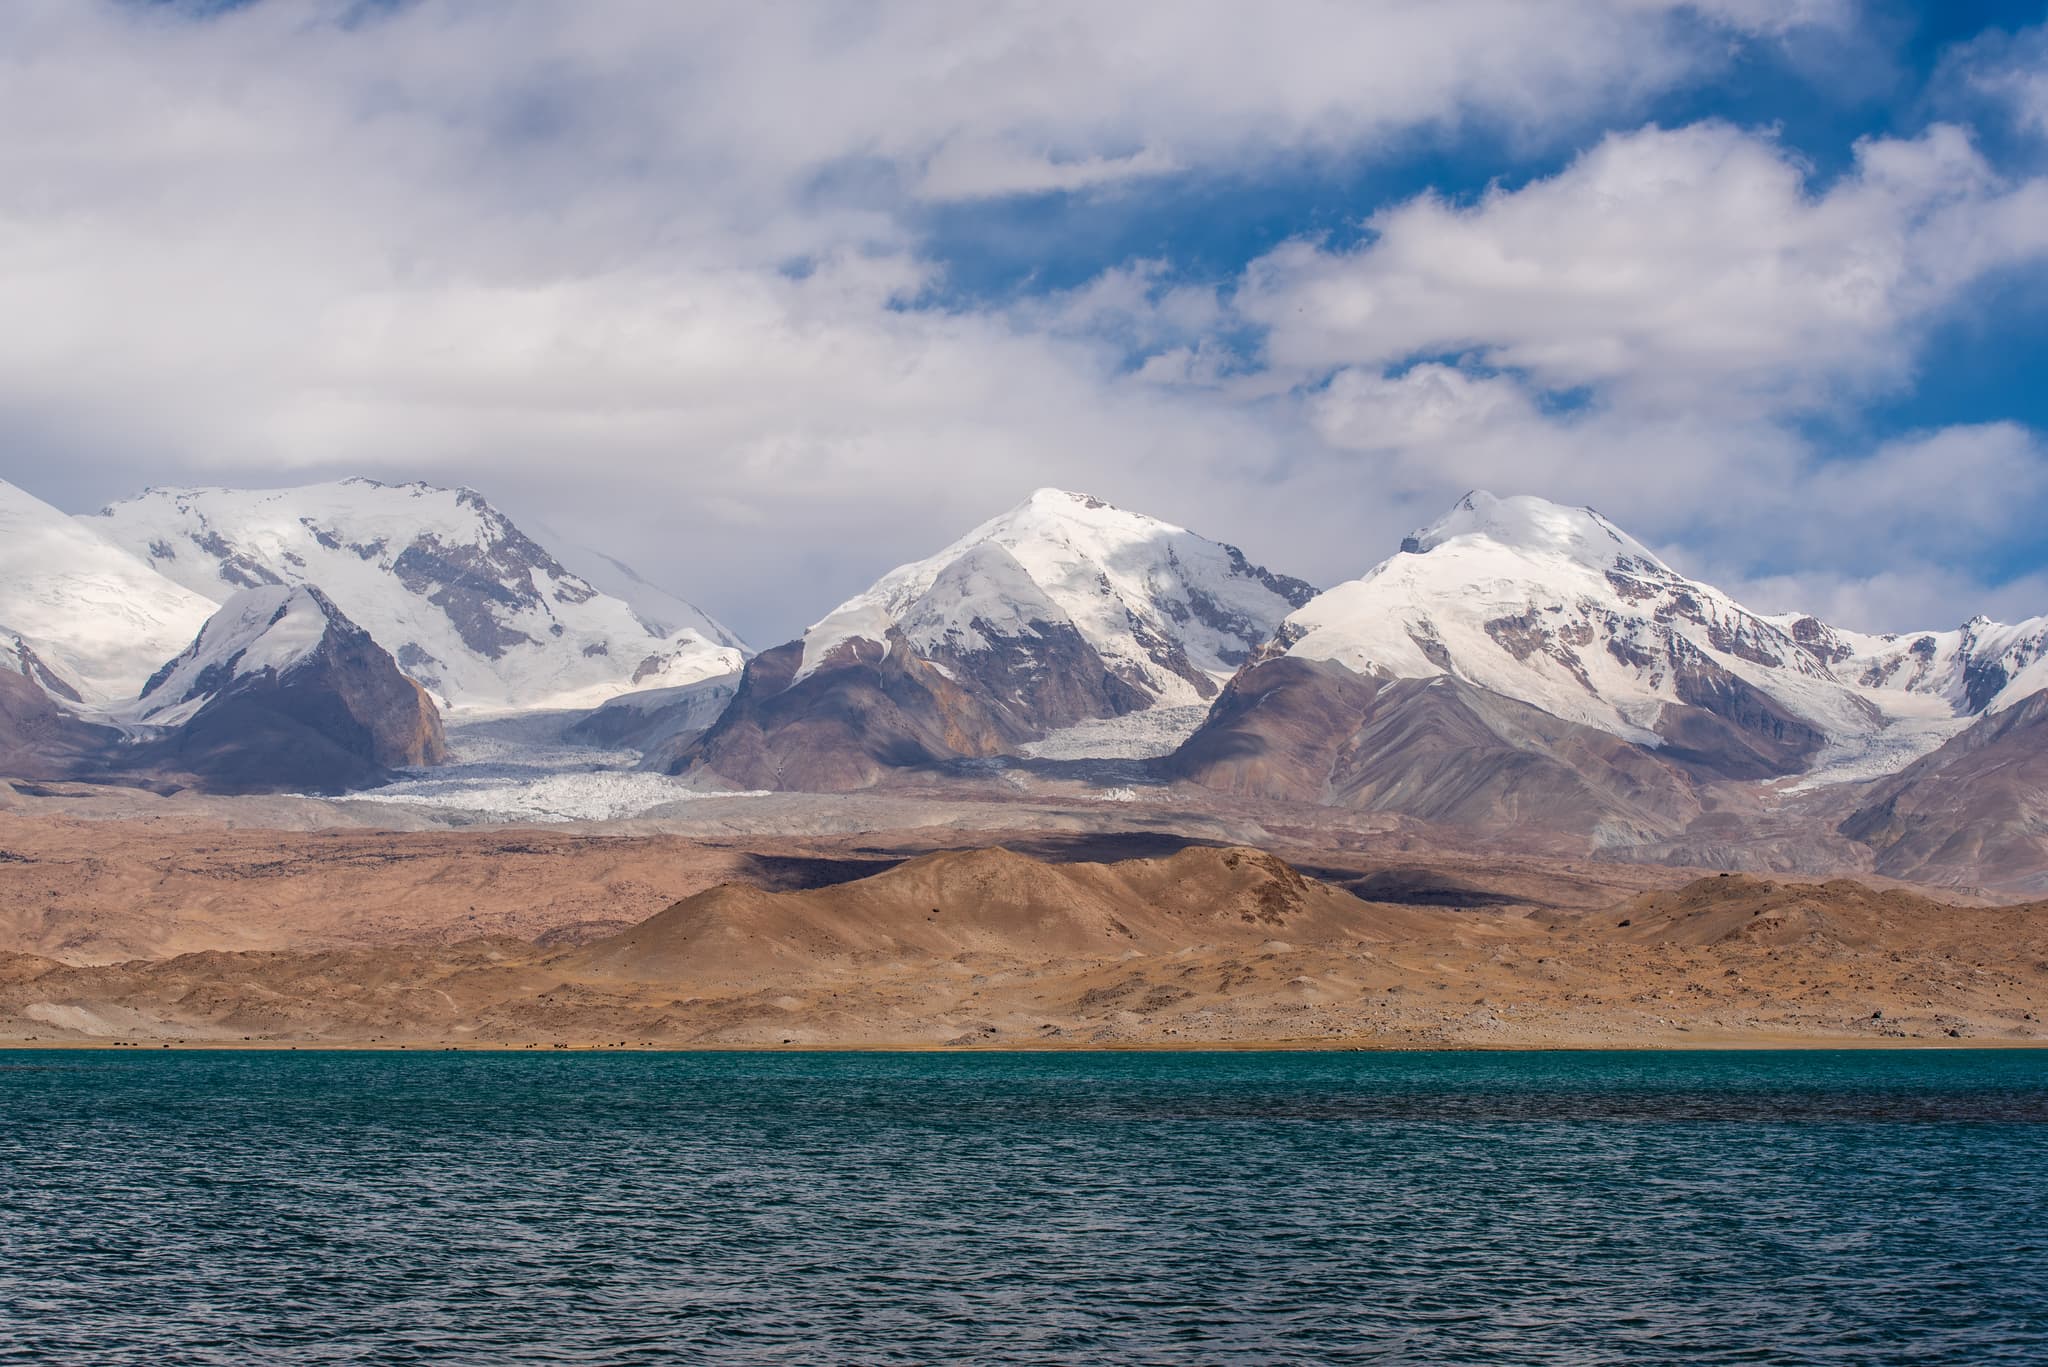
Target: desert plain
210, 924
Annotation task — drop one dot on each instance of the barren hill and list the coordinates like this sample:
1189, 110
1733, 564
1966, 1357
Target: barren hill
1206, 946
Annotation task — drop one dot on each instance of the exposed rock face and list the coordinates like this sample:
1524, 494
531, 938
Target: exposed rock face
870, 710
469, 604
1974, 812
1062, 611
281, 692
1436, 749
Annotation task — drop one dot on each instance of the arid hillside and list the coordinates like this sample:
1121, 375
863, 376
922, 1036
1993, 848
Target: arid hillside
1206, 945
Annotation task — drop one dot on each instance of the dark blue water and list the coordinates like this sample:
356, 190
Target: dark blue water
167, 1207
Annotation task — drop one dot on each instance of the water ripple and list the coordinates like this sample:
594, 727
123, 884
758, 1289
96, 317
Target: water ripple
174, 1208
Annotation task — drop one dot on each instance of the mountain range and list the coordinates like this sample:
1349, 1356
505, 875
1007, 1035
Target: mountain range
1516, 666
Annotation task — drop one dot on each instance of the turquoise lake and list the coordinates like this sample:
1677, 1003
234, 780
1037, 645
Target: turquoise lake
166, 1207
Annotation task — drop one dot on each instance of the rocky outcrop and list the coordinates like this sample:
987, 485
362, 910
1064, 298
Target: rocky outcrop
281, 692
658, 722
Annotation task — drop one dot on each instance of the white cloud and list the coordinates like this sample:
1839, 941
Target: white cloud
967, 170
2009, 67
654, 270
1664, 266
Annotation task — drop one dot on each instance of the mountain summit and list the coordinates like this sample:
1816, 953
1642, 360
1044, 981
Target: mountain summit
465, 601
1559, 608
1169, 614
1062, 611
1514, 641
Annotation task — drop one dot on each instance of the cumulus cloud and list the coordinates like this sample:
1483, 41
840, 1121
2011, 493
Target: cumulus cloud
1665, 265
1647, 329
629, 255
2011, 68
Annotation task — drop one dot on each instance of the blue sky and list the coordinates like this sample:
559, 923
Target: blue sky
769, 299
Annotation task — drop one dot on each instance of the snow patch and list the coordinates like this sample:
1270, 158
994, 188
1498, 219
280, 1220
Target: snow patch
96, 616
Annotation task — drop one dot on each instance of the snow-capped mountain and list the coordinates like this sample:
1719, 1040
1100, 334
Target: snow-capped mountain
1559, 608
83, 618
467, 603
280, 690
1981, 667
1062, 611
272, 630
1171, 615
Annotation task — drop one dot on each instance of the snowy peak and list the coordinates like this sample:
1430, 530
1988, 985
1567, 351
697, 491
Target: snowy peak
80, 615
1558, 608
468, 604
280, 691
1170, 614
1061, 614
270, 630
1983, 666
1532, 526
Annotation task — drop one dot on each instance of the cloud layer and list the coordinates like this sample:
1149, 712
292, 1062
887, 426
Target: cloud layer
656, 273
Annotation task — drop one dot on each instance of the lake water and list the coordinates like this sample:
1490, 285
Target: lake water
164, 1207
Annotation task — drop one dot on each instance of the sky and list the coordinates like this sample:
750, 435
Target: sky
766, 299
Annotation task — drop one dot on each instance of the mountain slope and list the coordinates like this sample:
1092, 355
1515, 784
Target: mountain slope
466, 602
1061, 611
280, 691
1974, 812
41, 740
1170, 614
1437, 749
83, 618
1558, 608
1522, 666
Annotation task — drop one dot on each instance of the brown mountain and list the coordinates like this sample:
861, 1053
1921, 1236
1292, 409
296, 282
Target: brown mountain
1438, 749
1209, 946
281, 692
40, 740
871, 710
991, 902
1972, 813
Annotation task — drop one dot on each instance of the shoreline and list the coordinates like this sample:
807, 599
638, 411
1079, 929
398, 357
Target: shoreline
1717, 1044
